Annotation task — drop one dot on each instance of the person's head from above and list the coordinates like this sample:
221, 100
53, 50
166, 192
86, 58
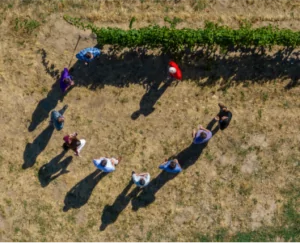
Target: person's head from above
89, 55
172, 70
103, 162
61, 119
172, 165
67, 80
142, 182
203, 135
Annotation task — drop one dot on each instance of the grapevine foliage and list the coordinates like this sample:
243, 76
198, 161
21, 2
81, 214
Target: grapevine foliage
171, 39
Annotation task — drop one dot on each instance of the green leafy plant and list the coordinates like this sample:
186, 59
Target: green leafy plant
176, 40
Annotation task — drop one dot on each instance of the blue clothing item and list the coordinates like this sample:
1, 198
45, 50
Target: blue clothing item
54, 118
81, 55
198, 139
108, 168
168, 169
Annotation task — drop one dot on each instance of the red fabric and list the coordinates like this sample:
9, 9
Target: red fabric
67, 138
178, 74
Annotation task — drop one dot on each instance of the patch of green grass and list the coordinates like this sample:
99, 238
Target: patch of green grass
259, 114
264, 97
199, 5
124, 100
245, 189
26, 25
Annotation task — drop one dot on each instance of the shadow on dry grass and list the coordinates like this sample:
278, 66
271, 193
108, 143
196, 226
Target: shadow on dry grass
81, 192
48, 172
111, 213
33, 149
206, 67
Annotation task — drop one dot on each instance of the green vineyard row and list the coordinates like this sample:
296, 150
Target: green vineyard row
172, 39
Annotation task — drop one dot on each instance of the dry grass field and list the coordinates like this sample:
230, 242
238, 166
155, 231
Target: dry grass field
244, 185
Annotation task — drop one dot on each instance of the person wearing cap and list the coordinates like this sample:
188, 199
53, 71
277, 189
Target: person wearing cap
224, 116
141, 180
202, 135
106, 164
72, 142
171, 166
65, 81
88, 54
174, 71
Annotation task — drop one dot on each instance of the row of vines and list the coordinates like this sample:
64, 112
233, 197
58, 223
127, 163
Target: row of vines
172, 39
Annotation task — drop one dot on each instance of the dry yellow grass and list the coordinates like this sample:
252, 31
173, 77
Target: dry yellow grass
241, 182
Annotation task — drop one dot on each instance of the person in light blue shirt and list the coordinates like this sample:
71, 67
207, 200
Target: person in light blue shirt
88, 54
57, 118
106, 164
171, 166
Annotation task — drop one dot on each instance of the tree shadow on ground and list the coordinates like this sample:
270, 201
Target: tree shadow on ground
48, 172
47, 104
33, 149
81, 192
186, 158
111, 213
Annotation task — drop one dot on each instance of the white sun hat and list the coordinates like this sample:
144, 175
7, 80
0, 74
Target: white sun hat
172, 70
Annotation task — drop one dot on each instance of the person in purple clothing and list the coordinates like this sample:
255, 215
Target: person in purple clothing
65, 81
88, 54
202, 135
171, 166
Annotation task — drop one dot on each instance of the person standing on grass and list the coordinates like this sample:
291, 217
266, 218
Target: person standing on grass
72, 142
57, 118
106, 164
174, 71
65, 81
201, 136
88, 54
224, 116
171, 166
141, 180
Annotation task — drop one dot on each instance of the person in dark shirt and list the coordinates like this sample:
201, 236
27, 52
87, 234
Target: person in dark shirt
224, 116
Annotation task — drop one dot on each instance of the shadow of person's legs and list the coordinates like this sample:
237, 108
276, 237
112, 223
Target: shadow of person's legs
211, 125
111, 213
47, 171
149, 99
33, 149
44, 106
81, 192
147, 196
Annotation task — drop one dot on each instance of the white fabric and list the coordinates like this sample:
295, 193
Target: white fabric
82, 143
115, 160
172, 70
136, 179
109, 164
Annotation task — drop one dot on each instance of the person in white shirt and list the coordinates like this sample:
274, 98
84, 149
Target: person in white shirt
141, 180
106, 164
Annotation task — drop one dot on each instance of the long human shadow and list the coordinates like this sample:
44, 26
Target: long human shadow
48, 103
206, 68
211, 125
186, 158
111, 213
149, 99
32, 150
48, 172
81, 192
